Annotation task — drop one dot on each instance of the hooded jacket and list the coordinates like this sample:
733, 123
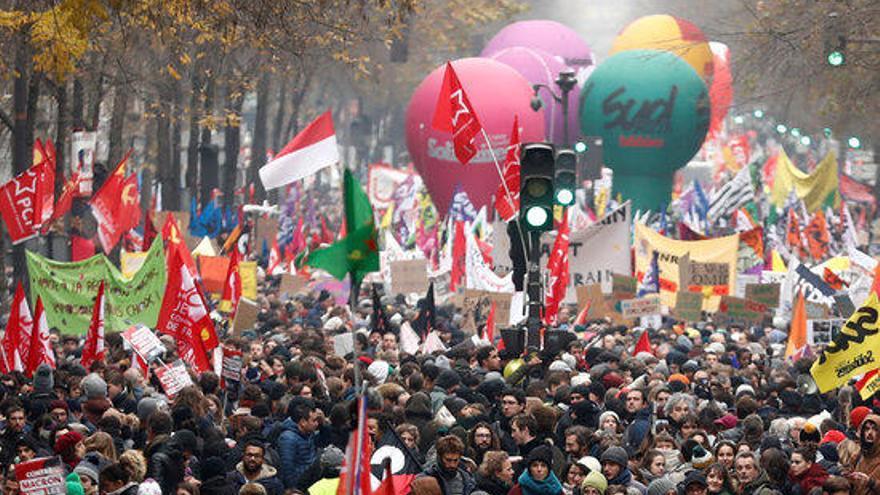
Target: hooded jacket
869, 461
297, 451
266, 477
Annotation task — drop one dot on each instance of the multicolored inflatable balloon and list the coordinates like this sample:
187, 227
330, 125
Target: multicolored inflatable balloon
540, 67
497, 93
652, 111
721, 89
669, 34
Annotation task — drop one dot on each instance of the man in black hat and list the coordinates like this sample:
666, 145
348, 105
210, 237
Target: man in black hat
694, 484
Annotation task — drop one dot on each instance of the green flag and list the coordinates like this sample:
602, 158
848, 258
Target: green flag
358, 252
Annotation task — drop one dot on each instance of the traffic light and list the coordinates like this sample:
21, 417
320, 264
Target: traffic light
835, 50
565, 177
536, 186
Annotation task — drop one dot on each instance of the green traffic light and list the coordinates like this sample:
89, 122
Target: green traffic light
836, 58
536, 216
854, 142
827, 132
564, 197
795, 132
580, 146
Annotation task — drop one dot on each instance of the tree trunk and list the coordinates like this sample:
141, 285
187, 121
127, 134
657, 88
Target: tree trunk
258, 146
278, 124
117, 125
165, 175
171, 193
209, 170
232, 141
76, 107
298, 96
22, 137
97, 98
62, 131
192, 148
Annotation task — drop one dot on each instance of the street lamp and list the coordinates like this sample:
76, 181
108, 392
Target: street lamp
780, 128
566, 82
854, 142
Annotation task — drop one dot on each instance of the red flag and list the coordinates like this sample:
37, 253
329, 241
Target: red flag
875, 286
185, 317
45, 197
299, 237
557, 266
138, 363
644, 344
116, 206
797, 333
232, 287
174, 242
274, 266
94, 350
327, 237
149, 230
354, 478
40, 349
833, 280
81, 248
490, 324
582, 316
16, 341
22, 200
508, 205
65, 199
455, 114
394, 484
458, 257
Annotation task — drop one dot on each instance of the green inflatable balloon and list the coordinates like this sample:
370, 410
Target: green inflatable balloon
652, 111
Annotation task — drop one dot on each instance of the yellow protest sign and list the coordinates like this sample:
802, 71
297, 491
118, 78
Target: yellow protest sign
853, 351
669, 251
818, 189
248, 272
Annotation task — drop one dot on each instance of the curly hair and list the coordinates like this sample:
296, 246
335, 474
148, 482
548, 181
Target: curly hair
492, 464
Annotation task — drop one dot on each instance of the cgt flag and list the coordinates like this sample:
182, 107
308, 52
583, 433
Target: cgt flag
455, 114
507, 195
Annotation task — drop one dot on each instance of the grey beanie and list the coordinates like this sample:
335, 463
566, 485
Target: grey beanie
616, 455
44, 380
332, 457
660, 486
146, 407
94, 387
88, 467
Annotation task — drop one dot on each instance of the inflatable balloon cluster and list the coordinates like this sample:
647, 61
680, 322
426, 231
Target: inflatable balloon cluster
649, 101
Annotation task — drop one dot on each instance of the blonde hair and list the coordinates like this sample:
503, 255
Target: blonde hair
493, 461
848, 451
135, 464
102, 443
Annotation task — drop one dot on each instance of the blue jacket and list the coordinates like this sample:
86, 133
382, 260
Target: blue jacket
297, 452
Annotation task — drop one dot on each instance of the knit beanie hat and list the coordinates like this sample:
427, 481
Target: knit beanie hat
74, 485
701, 458
857, 415
595, 479
66, 442
835, 436
332, 457
608, 414
44, 380
146, 407
540, 453
615, 454
150, 487
810, 433
89, 467
94, 387
660, 486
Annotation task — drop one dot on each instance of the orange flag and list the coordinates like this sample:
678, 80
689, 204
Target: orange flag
817, 236
797, 334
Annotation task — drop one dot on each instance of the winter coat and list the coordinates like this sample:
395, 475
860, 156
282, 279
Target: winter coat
638, 429
297, 452
492, 485
814, 476
165, 463
869, 462
267, 477
468, 482
760, 486
217, 485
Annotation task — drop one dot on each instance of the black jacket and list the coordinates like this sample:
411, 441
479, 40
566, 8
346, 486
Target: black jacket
491, 485
469, 484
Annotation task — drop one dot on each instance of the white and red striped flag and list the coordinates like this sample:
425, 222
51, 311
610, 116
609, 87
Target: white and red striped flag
354, 478
17, 339
40, 350
311, 150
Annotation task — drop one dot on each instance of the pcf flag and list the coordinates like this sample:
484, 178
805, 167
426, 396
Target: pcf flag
455, 114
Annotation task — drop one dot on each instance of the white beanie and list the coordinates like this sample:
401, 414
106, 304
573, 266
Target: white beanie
379, 370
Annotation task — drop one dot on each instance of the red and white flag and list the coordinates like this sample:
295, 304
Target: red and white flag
490, 324
116, 206
232, 287
185, 317
275, 267
138, 363
507, 205
94, 350
23, 199
40, 350
644, 344
311, 150
455, 114
17, 339
557, 266
354, 477
459, 258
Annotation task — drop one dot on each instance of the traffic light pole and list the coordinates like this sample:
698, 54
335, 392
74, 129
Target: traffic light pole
534, 290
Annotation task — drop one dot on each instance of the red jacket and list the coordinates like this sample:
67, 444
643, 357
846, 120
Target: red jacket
813, 477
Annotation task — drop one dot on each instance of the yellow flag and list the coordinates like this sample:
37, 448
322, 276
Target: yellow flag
385, 222
815, 188
853, 351
778, 265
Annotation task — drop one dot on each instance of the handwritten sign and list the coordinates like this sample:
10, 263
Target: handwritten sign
636, 308
232, 362
739, 310
408, 276
623, 287
766, 294
173, 378
688, 306
479, 301
144, 342
707, 274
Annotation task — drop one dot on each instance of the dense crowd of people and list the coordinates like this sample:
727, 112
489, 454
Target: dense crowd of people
710, 410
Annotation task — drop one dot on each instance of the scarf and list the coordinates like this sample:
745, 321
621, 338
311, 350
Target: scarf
623, 478
548, 486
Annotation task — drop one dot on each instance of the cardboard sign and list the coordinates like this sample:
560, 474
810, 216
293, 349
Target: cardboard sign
592, 294
144, 342
705, 274
408, 276
245, 315
291, 285
231, 367
248, 272
636, 308
738, 310
766, 294
688, 306
173, 378
623, 287
479, 302
267, 230
43, 476
441, 287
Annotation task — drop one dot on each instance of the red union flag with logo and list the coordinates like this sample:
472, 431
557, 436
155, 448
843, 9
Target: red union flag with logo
184, 316
24, 201
455, 114
116, 206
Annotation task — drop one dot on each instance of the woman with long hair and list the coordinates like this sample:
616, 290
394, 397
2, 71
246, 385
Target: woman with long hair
102, 443
805, 473
725, 451
653, 466
718, 480
572, 476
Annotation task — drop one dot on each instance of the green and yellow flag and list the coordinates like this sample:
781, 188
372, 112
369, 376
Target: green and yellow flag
358, 252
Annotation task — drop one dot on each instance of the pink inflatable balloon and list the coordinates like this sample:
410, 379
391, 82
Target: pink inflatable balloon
540, 67
497, 92
550, 36
721, 89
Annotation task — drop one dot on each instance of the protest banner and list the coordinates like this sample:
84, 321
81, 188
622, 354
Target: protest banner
623, 287
382, 182
595, 254
173, 378
688, 306
291, 285
130, 263
719, 250
144, 342
68, 290
248, 272
441, 286
739, 310
232, 363
643, 306
766, 294
817, 311
852, 351
41, 476
245, 315
843, 305
408, 276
